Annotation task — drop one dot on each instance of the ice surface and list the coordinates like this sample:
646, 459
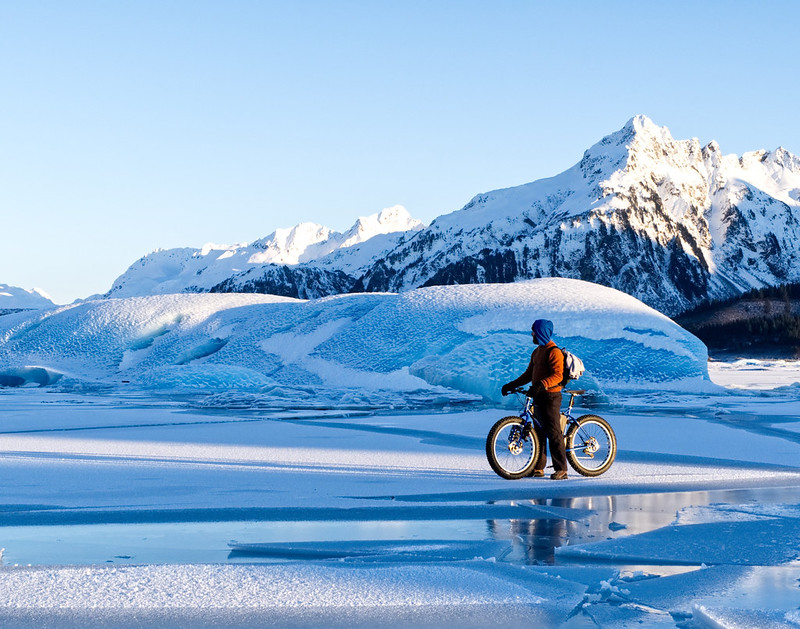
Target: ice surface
751, 373
345, 485
450, 342
744, 618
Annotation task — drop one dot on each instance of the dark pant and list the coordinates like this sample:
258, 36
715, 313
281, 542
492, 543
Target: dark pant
548, 411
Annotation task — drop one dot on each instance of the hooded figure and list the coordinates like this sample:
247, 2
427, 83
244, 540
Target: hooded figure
545, 373
543, 331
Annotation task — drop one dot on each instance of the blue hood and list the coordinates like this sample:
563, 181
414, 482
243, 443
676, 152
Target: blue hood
543, 330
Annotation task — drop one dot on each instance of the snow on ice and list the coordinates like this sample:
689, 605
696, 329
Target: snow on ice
127, 505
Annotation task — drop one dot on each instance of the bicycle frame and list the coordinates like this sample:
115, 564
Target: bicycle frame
529, 419
514, 442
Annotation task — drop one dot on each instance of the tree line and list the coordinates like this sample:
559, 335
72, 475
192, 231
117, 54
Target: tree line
775, 328
785, 293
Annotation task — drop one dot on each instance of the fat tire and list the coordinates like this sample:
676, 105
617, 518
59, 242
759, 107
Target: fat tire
609, 436
491, 454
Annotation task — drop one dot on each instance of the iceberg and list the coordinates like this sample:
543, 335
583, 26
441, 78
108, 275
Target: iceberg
450, 342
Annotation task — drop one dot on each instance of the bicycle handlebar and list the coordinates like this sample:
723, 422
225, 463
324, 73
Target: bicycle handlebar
525, 391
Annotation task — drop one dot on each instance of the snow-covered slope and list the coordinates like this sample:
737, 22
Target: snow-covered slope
266, 265
667, 221
426, 342
14, 298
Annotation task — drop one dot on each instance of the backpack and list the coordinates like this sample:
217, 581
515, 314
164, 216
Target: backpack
573, 367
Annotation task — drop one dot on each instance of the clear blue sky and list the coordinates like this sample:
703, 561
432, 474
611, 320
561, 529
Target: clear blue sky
133, 125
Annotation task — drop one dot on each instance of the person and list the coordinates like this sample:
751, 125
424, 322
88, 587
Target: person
545, 373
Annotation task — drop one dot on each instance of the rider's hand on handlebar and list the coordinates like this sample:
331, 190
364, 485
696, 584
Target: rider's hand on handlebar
506, 389
535, 390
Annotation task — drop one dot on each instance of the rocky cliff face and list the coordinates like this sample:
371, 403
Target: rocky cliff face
303, 282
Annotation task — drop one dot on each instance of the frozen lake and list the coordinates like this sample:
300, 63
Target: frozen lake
127, 504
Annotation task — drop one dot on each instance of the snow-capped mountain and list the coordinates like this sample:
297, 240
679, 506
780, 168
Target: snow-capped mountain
668, 221
15, 298
308, 260
665, 220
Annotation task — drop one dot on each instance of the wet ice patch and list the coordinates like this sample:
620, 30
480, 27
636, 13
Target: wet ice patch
705, 514
735, 537
369, 550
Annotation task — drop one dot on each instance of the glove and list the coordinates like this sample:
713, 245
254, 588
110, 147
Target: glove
506, 389
536, 390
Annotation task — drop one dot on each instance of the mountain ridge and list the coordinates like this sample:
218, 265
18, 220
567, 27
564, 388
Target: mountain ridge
668, 221
304, 247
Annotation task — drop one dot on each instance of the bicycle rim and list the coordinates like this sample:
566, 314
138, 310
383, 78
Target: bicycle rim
512, 455
591, 446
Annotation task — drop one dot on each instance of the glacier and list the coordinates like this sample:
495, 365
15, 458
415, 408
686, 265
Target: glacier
441, 344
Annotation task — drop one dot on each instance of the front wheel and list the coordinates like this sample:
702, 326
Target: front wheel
591, 445
511, 453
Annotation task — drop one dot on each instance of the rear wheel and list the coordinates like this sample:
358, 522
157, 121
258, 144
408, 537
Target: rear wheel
591, 445
511, 453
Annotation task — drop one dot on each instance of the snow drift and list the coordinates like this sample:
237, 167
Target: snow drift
448, 341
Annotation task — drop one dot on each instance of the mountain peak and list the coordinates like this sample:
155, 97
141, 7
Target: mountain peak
640, 135
13, 297
642, 128
390, 219
387, 221
193, 270
396, 214
641, 123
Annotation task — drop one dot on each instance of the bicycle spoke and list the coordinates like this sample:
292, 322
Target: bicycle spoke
511, 451
592, 446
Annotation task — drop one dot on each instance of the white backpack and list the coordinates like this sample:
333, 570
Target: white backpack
573, 367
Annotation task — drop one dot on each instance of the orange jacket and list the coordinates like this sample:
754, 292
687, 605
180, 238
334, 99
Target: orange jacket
546, 366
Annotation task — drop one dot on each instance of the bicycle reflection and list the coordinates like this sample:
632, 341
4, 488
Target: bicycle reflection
535, 540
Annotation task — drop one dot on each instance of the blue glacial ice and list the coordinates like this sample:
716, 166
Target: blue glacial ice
447, 343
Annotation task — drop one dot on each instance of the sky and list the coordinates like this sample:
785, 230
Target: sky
134, 125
